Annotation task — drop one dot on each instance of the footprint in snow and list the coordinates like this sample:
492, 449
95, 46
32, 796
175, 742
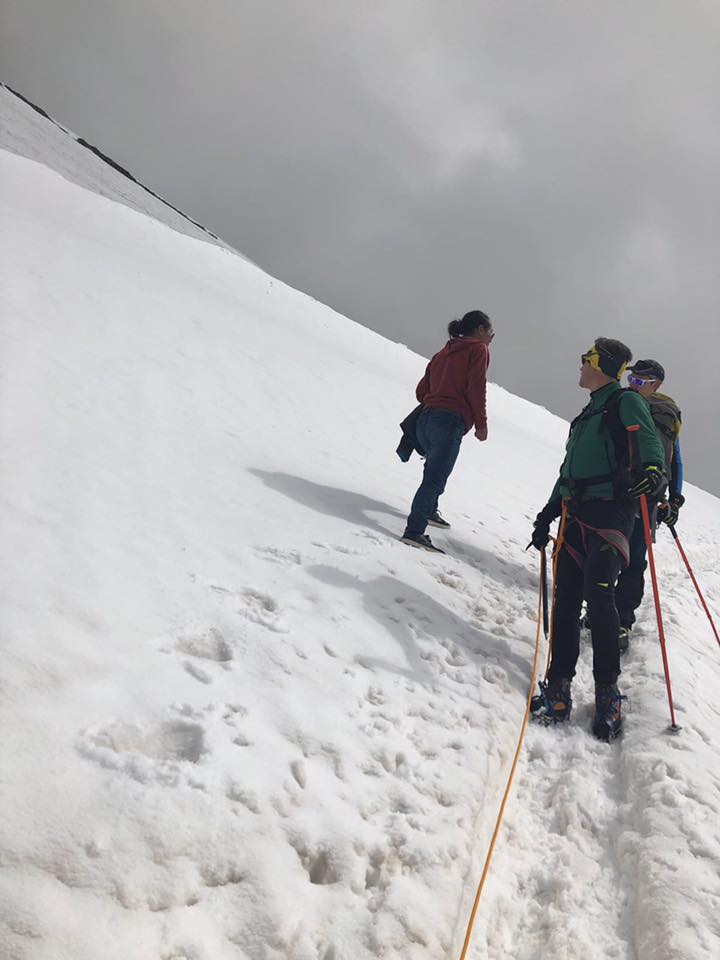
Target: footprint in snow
195, 671
208, 644
241, 794
202, 646
347, 551
263, 609
297, 768
232, 714
318, 861
233, 711
451, 579
372, 537
286, 558
375, 696
157, 751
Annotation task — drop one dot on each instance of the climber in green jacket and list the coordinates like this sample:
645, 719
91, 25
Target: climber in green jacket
607, 468
596, 465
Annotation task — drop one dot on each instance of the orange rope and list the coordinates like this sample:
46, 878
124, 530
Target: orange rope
555, 554
501, 813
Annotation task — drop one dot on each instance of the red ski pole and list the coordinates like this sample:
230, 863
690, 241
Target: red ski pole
673, 531
656, 594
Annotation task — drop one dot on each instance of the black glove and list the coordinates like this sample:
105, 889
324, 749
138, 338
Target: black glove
669, 511
651, 482
540, 535
541, 528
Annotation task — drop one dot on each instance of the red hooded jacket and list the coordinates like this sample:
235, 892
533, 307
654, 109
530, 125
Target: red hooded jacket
456, 379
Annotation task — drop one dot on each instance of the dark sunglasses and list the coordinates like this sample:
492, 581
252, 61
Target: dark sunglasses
639, 381
593, 355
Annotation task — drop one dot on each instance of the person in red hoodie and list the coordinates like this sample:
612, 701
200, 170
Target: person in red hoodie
452, 394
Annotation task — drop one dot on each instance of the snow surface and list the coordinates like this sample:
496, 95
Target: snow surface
241, 721
29, 134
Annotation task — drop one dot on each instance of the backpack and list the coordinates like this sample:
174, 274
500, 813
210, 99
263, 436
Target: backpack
668, 421
610, 422
622, 440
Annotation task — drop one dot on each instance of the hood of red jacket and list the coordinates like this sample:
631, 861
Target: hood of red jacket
456, 344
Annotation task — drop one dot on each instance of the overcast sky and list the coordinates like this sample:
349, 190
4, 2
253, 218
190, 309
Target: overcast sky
554, 162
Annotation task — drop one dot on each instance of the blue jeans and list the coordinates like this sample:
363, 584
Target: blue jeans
440, 433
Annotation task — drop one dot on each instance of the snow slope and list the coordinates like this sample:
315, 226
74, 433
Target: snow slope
240, 720
29, 133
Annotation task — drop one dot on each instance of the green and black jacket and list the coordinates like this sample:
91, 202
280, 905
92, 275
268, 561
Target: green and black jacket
592, 468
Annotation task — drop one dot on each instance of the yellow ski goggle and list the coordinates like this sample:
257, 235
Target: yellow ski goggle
593, 358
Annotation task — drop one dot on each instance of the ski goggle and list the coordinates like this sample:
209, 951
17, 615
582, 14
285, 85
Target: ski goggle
639, 381
593, 358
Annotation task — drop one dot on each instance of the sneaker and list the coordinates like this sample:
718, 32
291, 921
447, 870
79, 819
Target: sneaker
554, 702
438, 520
607, 722
421, 540
624, 639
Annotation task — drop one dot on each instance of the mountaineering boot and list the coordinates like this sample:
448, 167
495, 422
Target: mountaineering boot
624, 639
421, 540
438, 520
554, 702
607, 722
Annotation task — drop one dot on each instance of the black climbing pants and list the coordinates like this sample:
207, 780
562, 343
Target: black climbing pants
631, 583
587, 568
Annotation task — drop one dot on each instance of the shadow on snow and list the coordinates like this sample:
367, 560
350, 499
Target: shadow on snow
410, 615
